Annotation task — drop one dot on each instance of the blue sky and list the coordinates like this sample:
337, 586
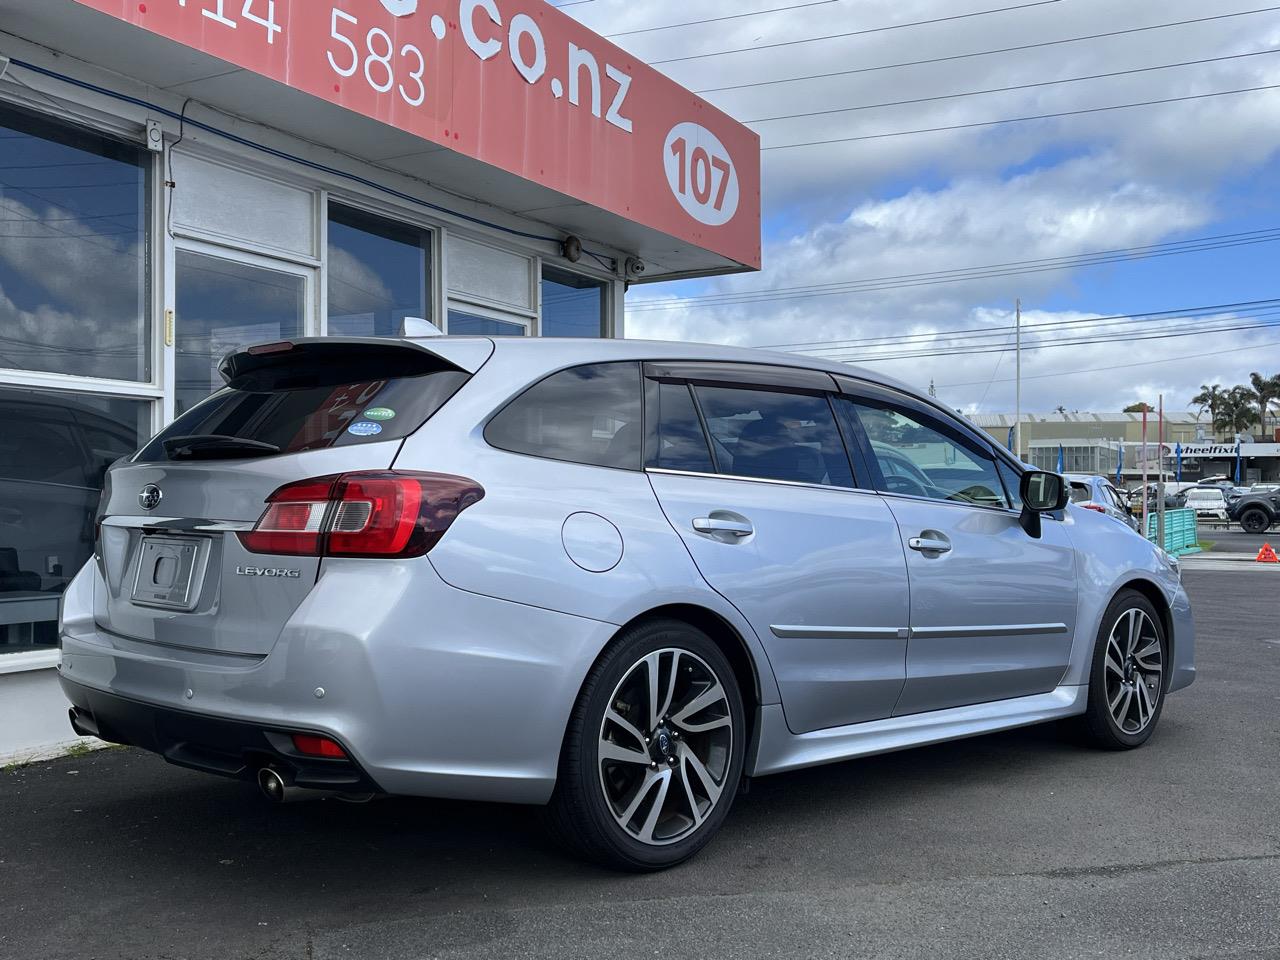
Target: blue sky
963, 198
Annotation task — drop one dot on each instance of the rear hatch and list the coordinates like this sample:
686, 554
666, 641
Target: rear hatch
169, 544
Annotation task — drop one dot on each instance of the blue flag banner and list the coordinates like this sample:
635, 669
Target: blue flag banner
1177, 452
1237, 460
1061, 460
1010, 443
1120, 465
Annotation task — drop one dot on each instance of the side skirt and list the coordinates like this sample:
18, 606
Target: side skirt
777, 749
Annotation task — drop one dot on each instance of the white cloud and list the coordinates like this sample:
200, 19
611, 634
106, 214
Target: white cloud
940, 201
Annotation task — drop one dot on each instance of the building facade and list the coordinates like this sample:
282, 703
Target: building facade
1099, 443
179, 178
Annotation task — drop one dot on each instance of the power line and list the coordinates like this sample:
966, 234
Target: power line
975, 333
1196, 330
854, 33
961, 274
732, 16
1039, 116
986, 53
1065, 260
1118, 366
1019, 86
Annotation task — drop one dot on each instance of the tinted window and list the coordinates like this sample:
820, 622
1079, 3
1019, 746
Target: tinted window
1080, 493
572, 305
920, 457
377, 274
468, 325
1012, 484
775, 436
73, 251
328, 396
681, 443
586, 414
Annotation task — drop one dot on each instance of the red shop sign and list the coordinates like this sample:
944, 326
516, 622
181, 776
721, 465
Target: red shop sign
514, 83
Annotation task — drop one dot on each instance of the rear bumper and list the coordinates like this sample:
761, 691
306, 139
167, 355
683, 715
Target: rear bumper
228, 748
431, 690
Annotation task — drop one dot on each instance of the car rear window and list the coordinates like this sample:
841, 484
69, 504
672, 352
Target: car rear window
1080, 493
319, 398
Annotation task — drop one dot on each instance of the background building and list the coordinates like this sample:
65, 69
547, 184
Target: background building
182, 177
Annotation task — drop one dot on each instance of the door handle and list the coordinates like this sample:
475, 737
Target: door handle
724, 527
929, 545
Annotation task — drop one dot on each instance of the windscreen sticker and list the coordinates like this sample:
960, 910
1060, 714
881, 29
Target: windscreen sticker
380, 413
364, 428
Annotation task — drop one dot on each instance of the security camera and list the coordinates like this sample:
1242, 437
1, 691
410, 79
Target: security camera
634, 267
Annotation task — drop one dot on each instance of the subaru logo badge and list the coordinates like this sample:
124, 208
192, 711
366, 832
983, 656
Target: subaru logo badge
150, 496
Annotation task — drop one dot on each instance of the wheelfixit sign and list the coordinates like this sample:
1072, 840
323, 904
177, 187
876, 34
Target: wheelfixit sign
513, 83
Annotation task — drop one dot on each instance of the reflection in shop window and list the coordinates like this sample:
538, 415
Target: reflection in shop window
378, 274
468, 324
572, 305
224, 305
54, 450
73, 252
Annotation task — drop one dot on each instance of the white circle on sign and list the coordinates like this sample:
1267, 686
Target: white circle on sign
701, 173
437, 26
557, 88
401, 8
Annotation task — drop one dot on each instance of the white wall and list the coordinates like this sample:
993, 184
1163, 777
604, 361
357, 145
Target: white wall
33, 717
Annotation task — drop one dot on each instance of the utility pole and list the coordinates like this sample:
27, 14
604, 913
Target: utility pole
1160, 475
1017, 376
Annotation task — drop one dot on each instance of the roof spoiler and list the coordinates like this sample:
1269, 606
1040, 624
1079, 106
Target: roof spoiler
385, 356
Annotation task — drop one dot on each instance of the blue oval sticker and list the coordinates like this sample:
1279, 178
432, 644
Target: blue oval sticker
365, 428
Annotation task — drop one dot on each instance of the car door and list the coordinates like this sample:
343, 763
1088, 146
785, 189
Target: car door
750, 468
993, 610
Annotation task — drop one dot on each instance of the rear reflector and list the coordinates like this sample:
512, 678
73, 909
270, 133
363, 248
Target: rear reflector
378, 514
314, 746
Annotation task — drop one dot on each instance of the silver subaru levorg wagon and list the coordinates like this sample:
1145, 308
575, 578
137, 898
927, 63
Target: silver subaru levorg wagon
613, 577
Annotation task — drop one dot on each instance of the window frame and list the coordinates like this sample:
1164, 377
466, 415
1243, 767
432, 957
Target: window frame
932, 416
799, 381
522, 391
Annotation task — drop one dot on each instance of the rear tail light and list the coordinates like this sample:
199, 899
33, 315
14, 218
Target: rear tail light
379, 514
1094, 507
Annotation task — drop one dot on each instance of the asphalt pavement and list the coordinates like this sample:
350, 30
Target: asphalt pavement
1019, 845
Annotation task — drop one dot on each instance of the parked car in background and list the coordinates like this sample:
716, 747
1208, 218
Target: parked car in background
1173, 496
1209, 503
1256, 512
1264, 488
613, 577
1098, 494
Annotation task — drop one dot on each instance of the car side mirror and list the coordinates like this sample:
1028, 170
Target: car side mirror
1041, 493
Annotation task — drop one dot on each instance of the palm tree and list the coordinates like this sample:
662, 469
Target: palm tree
1260, 390
1210, 398
1235, 411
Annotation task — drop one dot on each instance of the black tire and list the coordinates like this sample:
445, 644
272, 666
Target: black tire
580, 815
1099, 722
1255, 521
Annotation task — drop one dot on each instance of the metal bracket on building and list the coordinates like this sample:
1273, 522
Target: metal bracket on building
155, 136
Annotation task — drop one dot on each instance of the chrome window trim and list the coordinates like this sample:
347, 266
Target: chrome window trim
666, 471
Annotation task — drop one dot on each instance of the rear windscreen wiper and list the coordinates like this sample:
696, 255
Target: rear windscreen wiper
216, 447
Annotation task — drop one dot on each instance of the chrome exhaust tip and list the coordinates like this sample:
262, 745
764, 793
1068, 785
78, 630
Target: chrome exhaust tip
272, 785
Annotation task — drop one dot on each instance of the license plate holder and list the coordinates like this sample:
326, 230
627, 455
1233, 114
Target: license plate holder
170, 570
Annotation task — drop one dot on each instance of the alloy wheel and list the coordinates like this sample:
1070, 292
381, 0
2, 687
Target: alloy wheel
665, 746
1134, 671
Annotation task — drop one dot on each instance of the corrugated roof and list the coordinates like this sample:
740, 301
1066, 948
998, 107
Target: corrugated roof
1006, 419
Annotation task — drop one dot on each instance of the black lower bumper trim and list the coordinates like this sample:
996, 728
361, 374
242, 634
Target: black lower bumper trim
217, 745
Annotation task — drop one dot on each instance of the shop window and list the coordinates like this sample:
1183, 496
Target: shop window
224, 304
73, 252
54, 450
572, 305
379, 274
462, 323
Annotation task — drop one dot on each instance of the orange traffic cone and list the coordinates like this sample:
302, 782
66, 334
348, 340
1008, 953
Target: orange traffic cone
1267, 555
